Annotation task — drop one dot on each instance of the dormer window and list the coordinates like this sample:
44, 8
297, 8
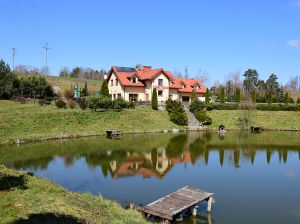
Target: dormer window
196, 87
182, 86
134, 80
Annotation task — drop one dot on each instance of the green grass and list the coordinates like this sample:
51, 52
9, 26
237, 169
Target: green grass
33, 122
266, 119
27, 199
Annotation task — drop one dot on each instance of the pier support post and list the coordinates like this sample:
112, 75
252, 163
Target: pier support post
209, 204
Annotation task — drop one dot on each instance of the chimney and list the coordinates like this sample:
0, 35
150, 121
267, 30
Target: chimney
147, 68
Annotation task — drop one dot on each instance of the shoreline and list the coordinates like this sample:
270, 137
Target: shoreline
180, 130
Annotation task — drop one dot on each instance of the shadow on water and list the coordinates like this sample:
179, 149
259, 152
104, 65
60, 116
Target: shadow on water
8, 183
49, 218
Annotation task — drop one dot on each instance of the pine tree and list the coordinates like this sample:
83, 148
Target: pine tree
253, 96
281, 96
222, 95
270, 98
286, 98
207, 96
238, 95
194, 95
154, 102
104, 89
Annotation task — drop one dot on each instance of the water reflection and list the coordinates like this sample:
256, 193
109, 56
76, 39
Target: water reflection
153, 155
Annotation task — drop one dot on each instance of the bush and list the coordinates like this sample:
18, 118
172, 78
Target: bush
178, 117
71, 104
92, 103
196, 105
60, 103
120, 104
82, 103
173, 105
202, 117
298, 100
212, 106
131, 105
278, 107
105, 103
42, 102
69, 93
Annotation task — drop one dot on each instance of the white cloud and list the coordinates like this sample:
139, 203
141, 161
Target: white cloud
293, 43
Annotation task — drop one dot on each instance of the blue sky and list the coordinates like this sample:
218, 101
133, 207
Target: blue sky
219, 37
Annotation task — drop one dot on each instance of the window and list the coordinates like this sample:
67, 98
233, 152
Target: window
182, 86
119, 95
111, 82
133, 97
196, 87
134, 79
170, 96
160, 93
117, 82
160, 82
114, 96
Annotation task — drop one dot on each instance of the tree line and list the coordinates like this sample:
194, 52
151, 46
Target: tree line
26, 86
84, 73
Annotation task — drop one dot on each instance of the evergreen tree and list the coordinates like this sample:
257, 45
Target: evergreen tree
154, 102
194, 95
286, 98
222, 95
253, 96
84, 91
270, 97
281, 96
238, 95
207, 96
104, 89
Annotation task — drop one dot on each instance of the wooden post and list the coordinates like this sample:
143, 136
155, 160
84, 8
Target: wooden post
209, 204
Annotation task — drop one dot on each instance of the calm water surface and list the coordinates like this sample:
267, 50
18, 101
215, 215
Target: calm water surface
255, 177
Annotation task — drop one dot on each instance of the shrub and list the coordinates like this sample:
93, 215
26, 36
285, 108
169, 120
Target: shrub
173, 104
222, 95
105, 103
60, 103
82, 103
196, 105
194, 95
71, 104
202, 117
222, 107
131, 105
92, 103
119, 104
154, 103
22, 100
69, 93
278, 107
298, 100
42, 102
237, 95
207, 96
178, 117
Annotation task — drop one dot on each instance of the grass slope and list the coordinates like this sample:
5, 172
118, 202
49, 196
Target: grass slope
31, 121
266, 119
27, 199
66, 83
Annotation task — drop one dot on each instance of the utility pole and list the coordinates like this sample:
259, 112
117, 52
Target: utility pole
13, 53
46, 49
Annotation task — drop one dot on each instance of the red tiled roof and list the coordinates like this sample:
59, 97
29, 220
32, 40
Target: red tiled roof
188, 85
124, 73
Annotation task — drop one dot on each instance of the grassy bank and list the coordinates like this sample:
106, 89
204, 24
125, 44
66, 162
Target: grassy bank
266, 119
33, 122
28, 199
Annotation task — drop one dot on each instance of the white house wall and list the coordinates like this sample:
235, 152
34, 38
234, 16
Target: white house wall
115, 89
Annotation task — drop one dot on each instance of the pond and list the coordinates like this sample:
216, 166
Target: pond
255, 177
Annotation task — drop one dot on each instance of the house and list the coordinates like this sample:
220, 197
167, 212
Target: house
137, 84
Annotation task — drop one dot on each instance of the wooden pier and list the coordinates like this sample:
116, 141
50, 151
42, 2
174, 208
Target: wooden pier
113, 134
170, 206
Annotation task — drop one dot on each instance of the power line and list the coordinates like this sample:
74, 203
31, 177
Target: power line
36, 18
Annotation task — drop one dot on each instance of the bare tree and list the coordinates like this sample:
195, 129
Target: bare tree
45, 70
64, 72
177, 73
203, 77
186, 72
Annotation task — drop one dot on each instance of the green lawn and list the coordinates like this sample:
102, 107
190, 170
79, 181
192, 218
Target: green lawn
266, 119
27, 199
33, 122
